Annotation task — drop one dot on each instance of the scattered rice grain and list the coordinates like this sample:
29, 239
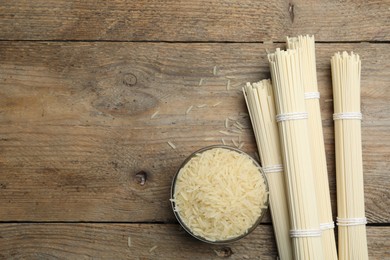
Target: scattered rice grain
228, 85
153, 248
189, 109
202, 105
237, 126
172, 145
237, 131
235, 143
129, 241
218, 103
225, 132
200, 81
223, 141
154, 114
227, 123
240, 145
215, 70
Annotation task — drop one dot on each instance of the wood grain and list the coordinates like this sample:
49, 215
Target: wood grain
147, 241
76, 126
125, 241
188, 20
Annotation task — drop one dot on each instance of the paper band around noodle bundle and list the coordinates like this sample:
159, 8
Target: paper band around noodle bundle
326, 226
273, 168
351, 221
291, 116
312, 95
305, 233
347, 115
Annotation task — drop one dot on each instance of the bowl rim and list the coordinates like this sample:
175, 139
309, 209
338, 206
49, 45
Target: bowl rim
177, 215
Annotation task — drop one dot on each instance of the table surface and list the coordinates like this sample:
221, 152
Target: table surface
81, 83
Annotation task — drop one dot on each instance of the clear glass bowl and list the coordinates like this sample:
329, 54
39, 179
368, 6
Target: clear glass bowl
177, 215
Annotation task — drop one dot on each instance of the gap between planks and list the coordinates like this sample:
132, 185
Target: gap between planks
190, 42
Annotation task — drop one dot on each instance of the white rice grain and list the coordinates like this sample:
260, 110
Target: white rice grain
236, 131
200, 81
218, 103
189, 109
228, 85
172, 145
154, 114
225, 132
152, 249
237, 126
227, 123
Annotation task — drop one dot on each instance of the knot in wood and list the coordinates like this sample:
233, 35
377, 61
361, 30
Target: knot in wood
224, 252
141, 177
129, 79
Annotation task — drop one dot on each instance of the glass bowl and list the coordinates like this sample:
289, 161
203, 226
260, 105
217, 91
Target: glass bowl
177, 214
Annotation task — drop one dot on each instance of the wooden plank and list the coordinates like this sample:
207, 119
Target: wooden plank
76, 126
125, 241
145, 241
188, 20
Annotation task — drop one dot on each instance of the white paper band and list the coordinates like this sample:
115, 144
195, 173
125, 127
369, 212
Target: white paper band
291, 116
351, 221
273, 168
305, 233
325, 226
347, 115
311, 95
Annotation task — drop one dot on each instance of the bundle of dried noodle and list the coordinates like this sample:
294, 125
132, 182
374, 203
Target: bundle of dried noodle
349, 167
286, 73
259, 99
306, 49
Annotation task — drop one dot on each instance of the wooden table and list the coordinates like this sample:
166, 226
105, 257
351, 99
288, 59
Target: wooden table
81, 83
